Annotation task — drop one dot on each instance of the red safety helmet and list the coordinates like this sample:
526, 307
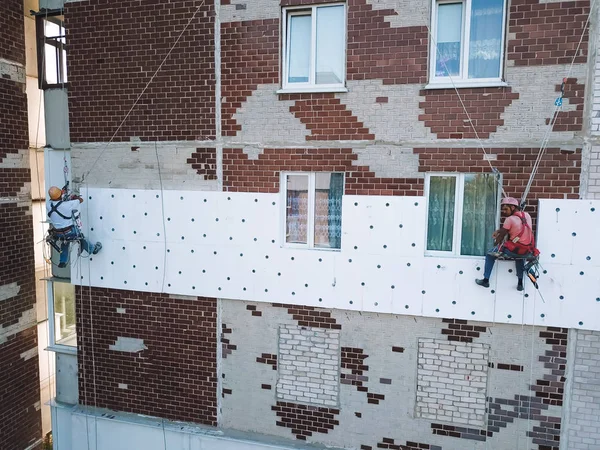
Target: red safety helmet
510, 201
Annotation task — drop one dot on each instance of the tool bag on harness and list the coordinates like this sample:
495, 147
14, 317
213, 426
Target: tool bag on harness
514, 246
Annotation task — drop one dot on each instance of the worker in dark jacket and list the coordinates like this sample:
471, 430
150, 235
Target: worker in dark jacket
60, 213
513, 240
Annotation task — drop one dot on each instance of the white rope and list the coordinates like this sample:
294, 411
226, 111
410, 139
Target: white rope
84, 178
479, 140
145, 87
554, 116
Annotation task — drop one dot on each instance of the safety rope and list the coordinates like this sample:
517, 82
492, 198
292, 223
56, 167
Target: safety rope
486, 155
558, 105
86, 183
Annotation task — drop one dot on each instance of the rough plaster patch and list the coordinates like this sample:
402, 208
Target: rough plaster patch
31, 353
252, 152
120, 167
9, 291
27, 320
182, 297
388, 161
13, 70
126, 344
525, 118
255, 10
394, 121
266, 119
410, 13
18, 160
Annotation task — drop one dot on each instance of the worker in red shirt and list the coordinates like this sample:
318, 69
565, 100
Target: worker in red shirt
513, 240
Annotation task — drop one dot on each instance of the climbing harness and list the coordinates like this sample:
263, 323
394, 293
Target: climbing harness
528, 253
58, 237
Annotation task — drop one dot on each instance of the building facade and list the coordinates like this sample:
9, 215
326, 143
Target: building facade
21, 425
294, 199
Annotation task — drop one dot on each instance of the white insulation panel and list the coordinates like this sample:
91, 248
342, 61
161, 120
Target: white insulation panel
228, 245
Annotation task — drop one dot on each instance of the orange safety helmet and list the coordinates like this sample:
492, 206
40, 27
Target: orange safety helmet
510, 201
54, 193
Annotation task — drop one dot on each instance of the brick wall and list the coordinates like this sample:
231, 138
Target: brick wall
20, 417
111, 61
12, 30
557, 176
262, 175
13, 110
250, 56
383, 371
376, 50
308, 365
175, 377
445, 117
457, 394
582, 430
544, 33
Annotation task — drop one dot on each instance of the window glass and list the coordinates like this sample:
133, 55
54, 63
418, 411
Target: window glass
330, 45
485, 43
297, 209
51, 63
52, 51
299, 48
440, 219
479, 213
64, 314
449, 39
329, 188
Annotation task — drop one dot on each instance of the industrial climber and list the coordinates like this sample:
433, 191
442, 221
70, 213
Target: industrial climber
514, 240
65, 228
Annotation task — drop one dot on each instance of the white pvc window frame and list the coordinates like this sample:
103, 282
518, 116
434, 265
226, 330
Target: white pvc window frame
462, 79
52, 344
311, 85
310, 226
459, 196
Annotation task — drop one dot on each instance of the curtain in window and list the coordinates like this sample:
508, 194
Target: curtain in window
440, 221
479, 213
336, 190
328, 209
485, 44
297, 209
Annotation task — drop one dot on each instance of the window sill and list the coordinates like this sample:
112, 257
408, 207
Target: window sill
312, 90
466, 84
305, 247
57, 348
452, 256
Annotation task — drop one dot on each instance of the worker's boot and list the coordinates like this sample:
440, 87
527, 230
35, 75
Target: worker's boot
483, 282
520, 285
97, 248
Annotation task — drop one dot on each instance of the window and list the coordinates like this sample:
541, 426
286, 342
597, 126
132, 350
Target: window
314, 47
51, 50
313, 209
62, 313
462, 213
468, 43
